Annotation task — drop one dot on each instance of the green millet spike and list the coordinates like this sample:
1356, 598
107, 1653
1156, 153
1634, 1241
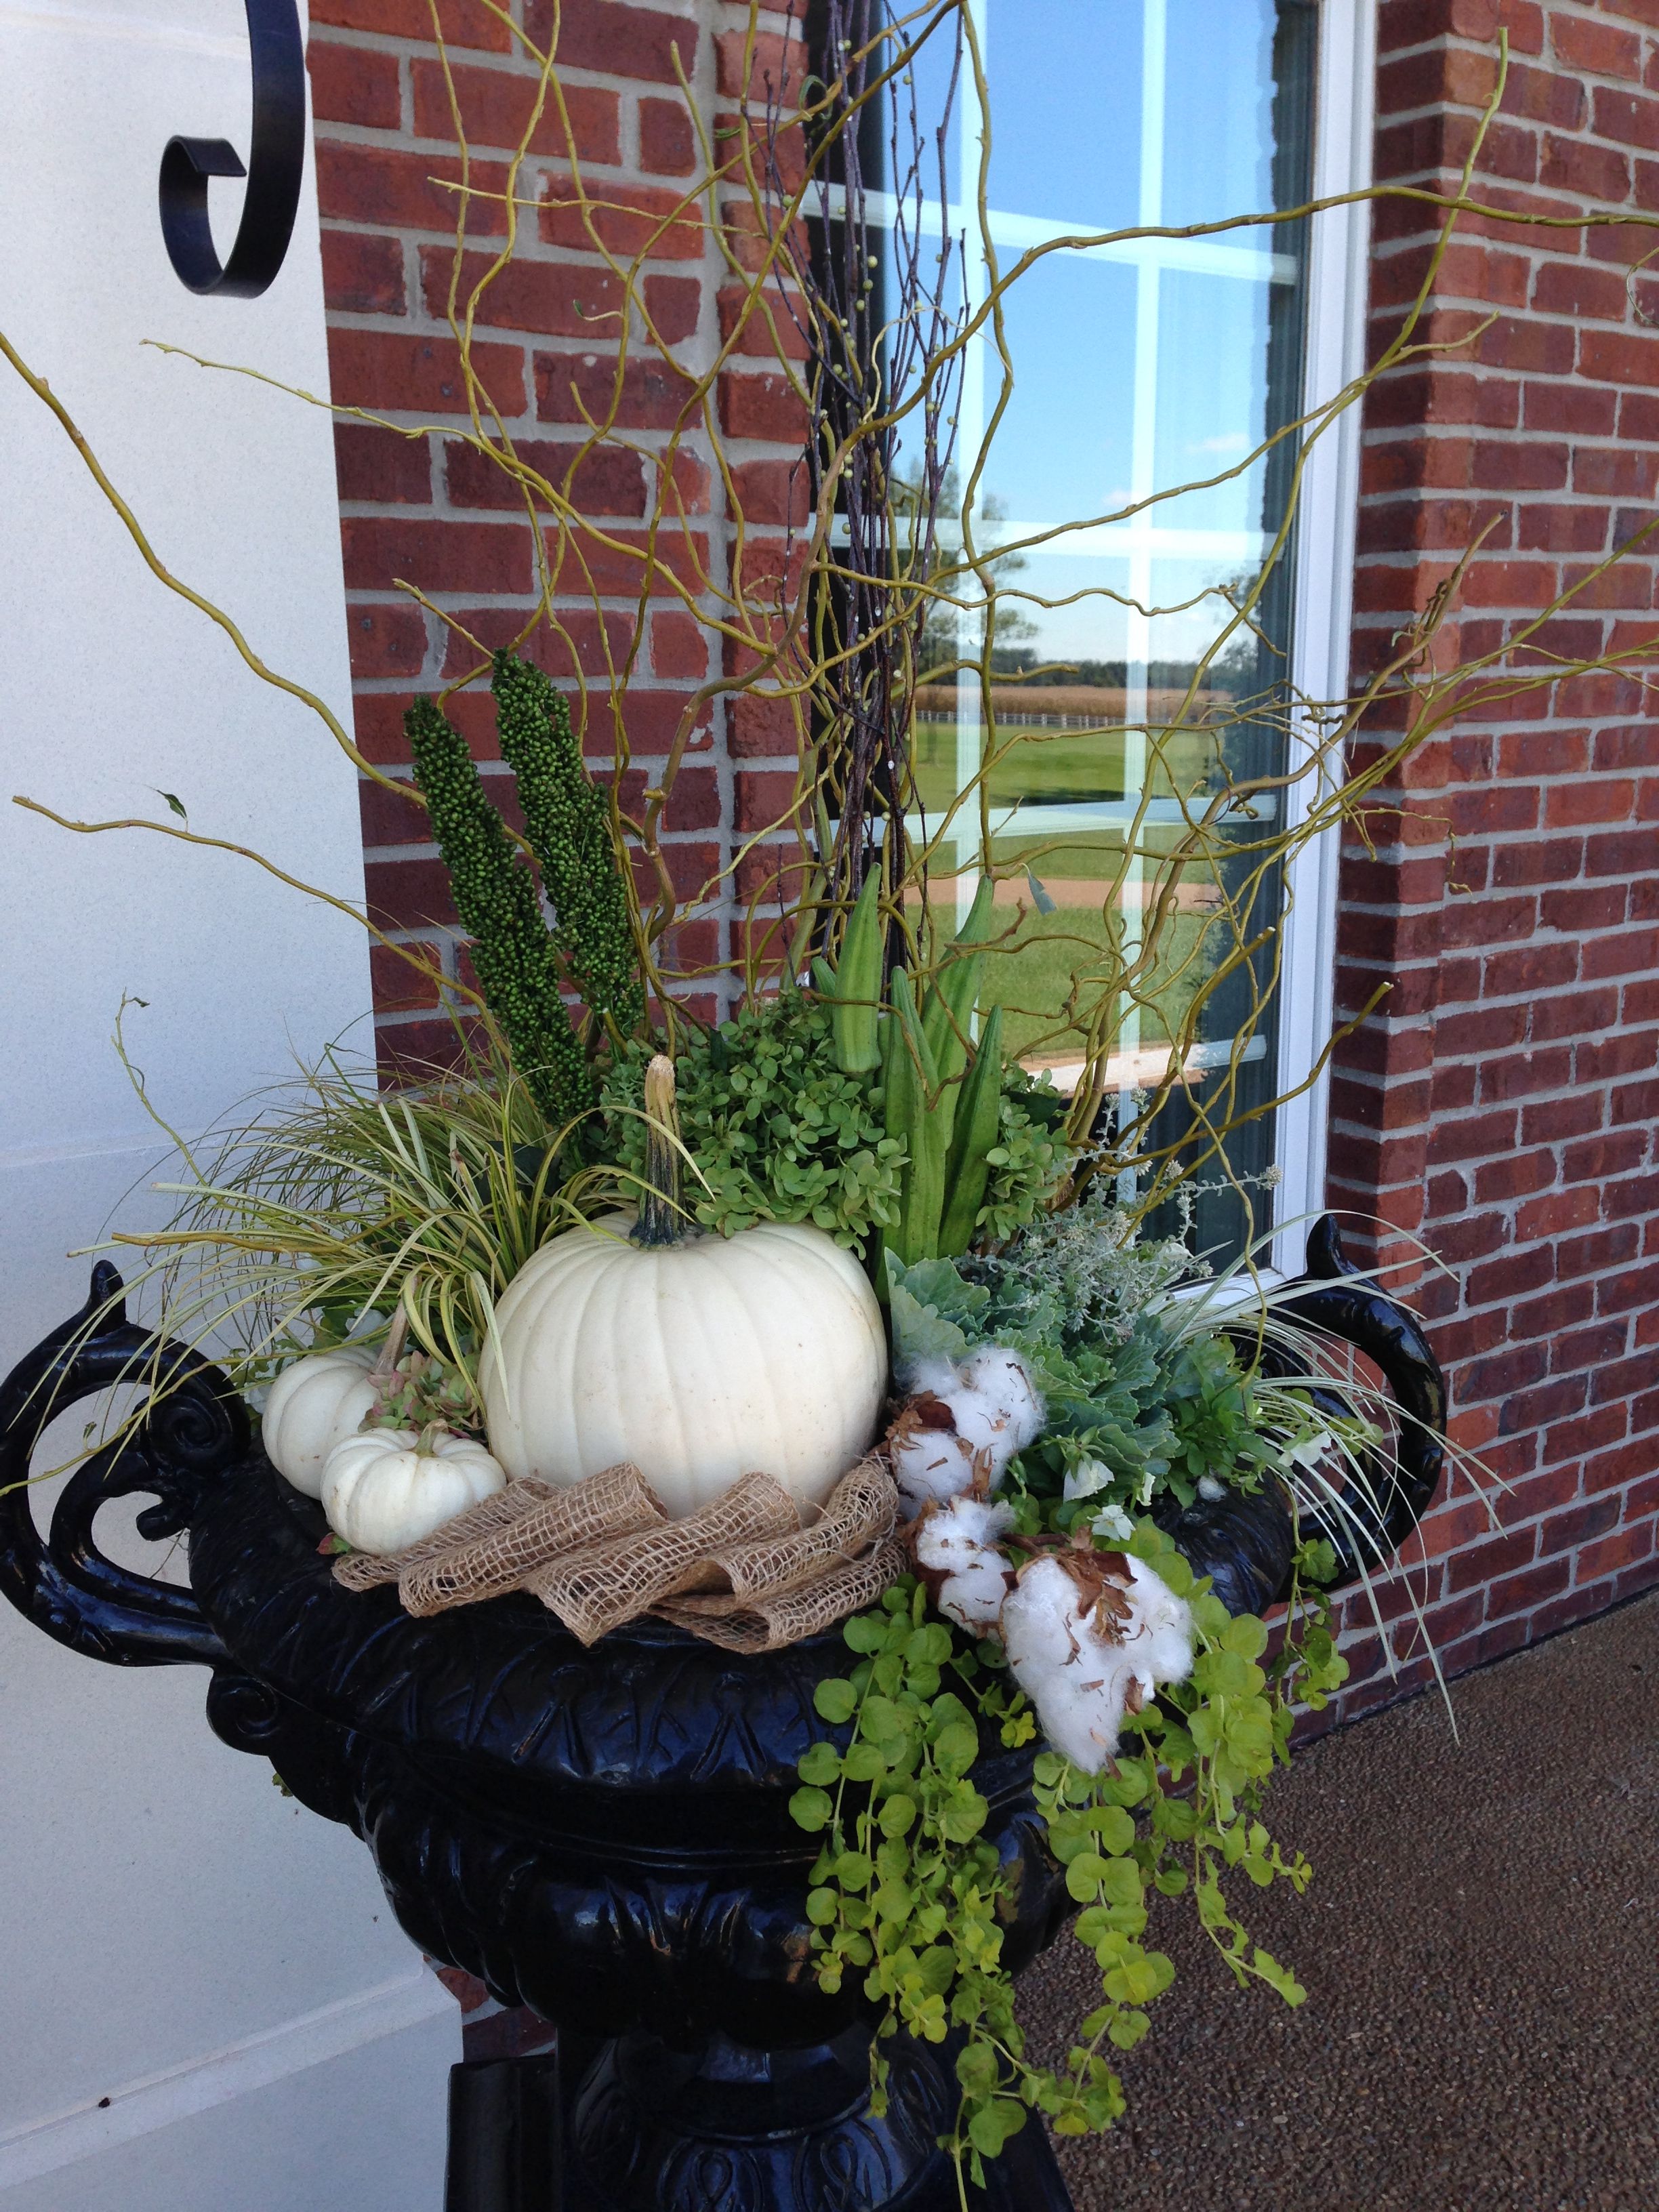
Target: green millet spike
496, 898
568, 826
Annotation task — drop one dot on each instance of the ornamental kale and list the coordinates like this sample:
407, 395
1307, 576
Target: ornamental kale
1141, 1406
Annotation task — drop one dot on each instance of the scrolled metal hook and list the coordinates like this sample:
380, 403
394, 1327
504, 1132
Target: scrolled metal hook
275, 164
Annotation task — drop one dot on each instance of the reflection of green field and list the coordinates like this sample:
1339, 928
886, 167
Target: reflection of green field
1031, 973
1049, 765
1033, 979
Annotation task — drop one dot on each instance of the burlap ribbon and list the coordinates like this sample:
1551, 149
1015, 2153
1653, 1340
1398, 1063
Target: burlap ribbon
744, 1573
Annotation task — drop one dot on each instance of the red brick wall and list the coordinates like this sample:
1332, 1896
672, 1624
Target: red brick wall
430, 511
1502, 1106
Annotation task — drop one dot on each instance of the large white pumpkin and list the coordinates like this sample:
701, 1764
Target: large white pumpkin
699, 1361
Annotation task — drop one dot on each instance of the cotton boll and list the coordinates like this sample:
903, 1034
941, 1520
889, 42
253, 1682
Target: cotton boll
1163, 1623
1086, 1633
956, 1548
1076, 1682
961, 1426
931, 1463
1004, 1413
931, 1378
1210, 1490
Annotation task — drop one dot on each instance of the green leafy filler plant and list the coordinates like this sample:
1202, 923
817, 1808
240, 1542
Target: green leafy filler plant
781, 1130
908, 1894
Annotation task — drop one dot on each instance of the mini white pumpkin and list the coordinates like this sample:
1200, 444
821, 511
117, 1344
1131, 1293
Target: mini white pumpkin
698, 1358
315, 1404
389, 1488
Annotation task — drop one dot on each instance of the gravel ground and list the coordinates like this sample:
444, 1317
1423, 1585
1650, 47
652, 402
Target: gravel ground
1480, 1949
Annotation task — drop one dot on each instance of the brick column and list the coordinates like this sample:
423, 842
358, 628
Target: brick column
1501, 1104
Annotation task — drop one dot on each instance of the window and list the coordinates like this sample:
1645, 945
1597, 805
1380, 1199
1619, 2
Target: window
1139, 366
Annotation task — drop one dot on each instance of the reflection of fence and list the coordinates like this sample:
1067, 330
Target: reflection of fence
1148, 1065
1081, 891
1041, 819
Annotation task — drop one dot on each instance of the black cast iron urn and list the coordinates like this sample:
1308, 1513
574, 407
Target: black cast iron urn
602, 1835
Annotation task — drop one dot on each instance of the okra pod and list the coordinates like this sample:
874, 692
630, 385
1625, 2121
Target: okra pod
978, 1117
914, 1076
855, 1008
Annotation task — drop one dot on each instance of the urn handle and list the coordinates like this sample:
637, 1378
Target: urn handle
1338, 1301
193, 1428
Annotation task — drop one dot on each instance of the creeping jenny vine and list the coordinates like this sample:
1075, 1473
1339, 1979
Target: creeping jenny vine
909, 1894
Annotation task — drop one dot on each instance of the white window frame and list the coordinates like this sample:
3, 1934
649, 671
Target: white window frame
1339, 257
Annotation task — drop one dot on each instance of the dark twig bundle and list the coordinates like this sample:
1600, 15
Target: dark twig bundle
874, 300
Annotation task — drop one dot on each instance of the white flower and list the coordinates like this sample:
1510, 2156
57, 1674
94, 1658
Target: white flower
1308, 1450
1113, 1521
1087, 1477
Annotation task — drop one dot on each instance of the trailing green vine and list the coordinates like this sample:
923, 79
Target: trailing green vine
908, 1892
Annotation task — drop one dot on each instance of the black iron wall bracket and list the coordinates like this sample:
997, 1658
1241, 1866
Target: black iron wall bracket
275, 164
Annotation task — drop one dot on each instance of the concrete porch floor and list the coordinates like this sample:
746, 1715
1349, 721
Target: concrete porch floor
1480, 1949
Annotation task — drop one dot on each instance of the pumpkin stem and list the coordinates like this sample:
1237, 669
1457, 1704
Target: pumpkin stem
426, 1441
661, 1218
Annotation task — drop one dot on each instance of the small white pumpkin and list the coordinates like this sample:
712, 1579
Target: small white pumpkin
315, 1404
389, 1488
699, 1357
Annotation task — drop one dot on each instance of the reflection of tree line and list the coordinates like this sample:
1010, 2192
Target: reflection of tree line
1072, 705
1231, 672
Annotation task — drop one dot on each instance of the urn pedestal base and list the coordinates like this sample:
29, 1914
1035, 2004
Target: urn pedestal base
637, 2128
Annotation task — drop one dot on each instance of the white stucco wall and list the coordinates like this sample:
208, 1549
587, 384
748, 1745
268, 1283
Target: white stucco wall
168, 1912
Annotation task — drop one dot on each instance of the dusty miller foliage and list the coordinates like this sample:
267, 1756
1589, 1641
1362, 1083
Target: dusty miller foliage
1080, 1272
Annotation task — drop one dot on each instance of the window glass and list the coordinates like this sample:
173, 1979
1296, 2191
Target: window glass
1140, 365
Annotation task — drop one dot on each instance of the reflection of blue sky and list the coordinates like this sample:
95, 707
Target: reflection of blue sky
1062, 450
1065, 80
1065, 83
1212, 396
1218, 144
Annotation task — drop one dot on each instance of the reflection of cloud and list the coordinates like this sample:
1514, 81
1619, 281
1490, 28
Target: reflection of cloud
1234, 442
